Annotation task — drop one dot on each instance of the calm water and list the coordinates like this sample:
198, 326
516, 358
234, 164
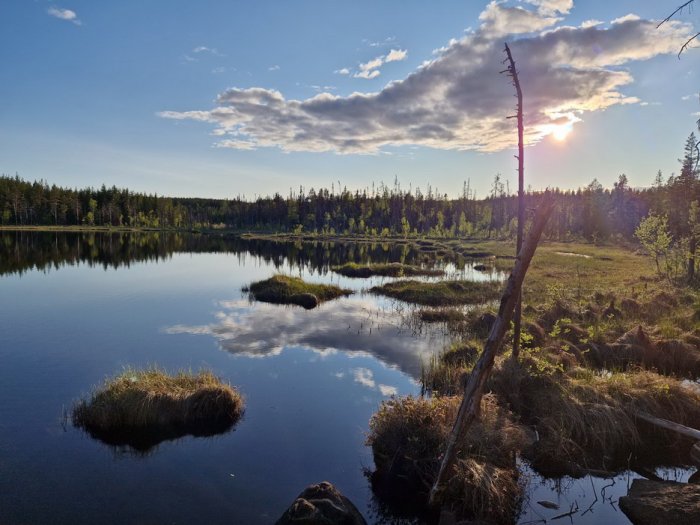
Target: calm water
76, 308
311, 379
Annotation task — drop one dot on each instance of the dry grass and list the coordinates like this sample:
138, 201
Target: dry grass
586, 418
408, 436
144, 407
384, 269
283, 289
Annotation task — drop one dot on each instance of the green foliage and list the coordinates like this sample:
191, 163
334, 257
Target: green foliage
653, 234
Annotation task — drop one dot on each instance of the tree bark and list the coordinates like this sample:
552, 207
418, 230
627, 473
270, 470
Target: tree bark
474, 389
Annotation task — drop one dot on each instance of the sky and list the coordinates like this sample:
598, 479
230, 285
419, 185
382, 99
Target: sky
231, 98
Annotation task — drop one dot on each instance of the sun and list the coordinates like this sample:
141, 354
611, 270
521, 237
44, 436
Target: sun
561, 131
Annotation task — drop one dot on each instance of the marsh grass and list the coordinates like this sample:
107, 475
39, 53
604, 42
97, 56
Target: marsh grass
408, 435
283, 289
394, 269
441, 315
440, 293
141, 408
585, 418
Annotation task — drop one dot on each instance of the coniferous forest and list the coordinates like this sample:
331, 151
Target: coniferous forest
592, 212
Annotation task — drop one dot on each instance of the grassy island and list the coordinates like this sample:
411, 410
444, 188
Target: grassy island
283, 289
440, 293
394, 269
141, 408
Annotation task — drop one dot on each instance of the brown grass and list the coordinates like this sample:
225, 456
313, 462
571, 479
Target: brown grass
586, 418
143, 407
407, 436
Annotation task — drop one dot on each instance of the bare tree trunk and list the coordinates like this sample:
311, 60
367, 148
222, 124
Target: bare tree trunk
474, 389
513, 74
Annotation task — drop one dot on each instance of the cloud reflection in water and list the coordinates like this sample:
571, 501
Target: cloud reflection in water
352, 325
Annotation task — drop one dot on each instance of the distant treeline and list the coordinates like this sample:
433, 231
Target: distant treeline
592, 212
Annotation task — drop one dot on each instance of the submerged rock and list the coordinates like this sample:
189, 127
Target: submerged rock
661, 502
321, 504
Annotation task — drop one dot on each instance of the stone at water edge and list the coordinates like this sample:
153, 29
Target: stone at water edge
661, 503
321, 504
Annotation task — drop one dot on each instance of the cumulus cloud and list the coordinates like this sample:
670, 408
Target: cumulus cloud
342, 71
273, 68
458, 100
64, 14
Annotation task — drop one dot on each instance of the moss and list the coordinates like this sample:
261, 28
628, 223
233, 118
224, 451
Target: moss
141, 408
283, 289
441, 293
386, 269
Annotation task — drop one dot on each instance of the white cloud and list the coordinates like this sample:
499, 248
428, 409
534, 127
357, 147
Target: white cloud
549, 7
370, 69
367, 74
388, 390
364, 376
396, 55
209, 50
343, 71
64, 14
500, 20
218, 70
457, 100
386, 42
273, 68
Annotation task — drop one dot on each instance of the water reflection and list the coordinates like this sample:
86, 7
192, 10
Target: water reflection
353, 325
22, 251
142, 442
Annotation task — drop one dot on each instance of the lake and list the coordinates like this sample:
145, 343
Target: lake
78, 307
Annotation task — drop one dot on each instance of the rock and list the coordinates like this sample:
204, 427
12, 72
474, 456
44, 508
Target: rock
661, 502
321, 504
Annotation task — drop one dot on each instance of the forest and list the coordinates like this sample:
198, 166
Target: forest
594, 213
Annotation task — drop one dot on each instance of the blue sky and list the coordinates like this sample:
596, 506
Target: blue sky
219, 99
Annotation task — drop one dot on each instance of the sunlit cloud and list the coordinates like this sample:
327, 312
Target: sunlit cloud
64, 14
457, 100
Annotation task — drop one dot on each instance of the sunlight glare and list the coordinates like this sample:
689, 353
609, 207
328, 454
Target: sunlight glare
561, 131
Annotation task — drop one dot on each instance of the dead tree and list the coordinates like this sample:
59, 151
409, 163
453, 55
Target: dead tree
687, 5
474, 389
512, 72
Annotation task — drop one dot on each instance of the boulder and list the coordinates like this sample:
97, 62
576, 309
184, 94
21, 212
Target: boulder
321, 504
661, 502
